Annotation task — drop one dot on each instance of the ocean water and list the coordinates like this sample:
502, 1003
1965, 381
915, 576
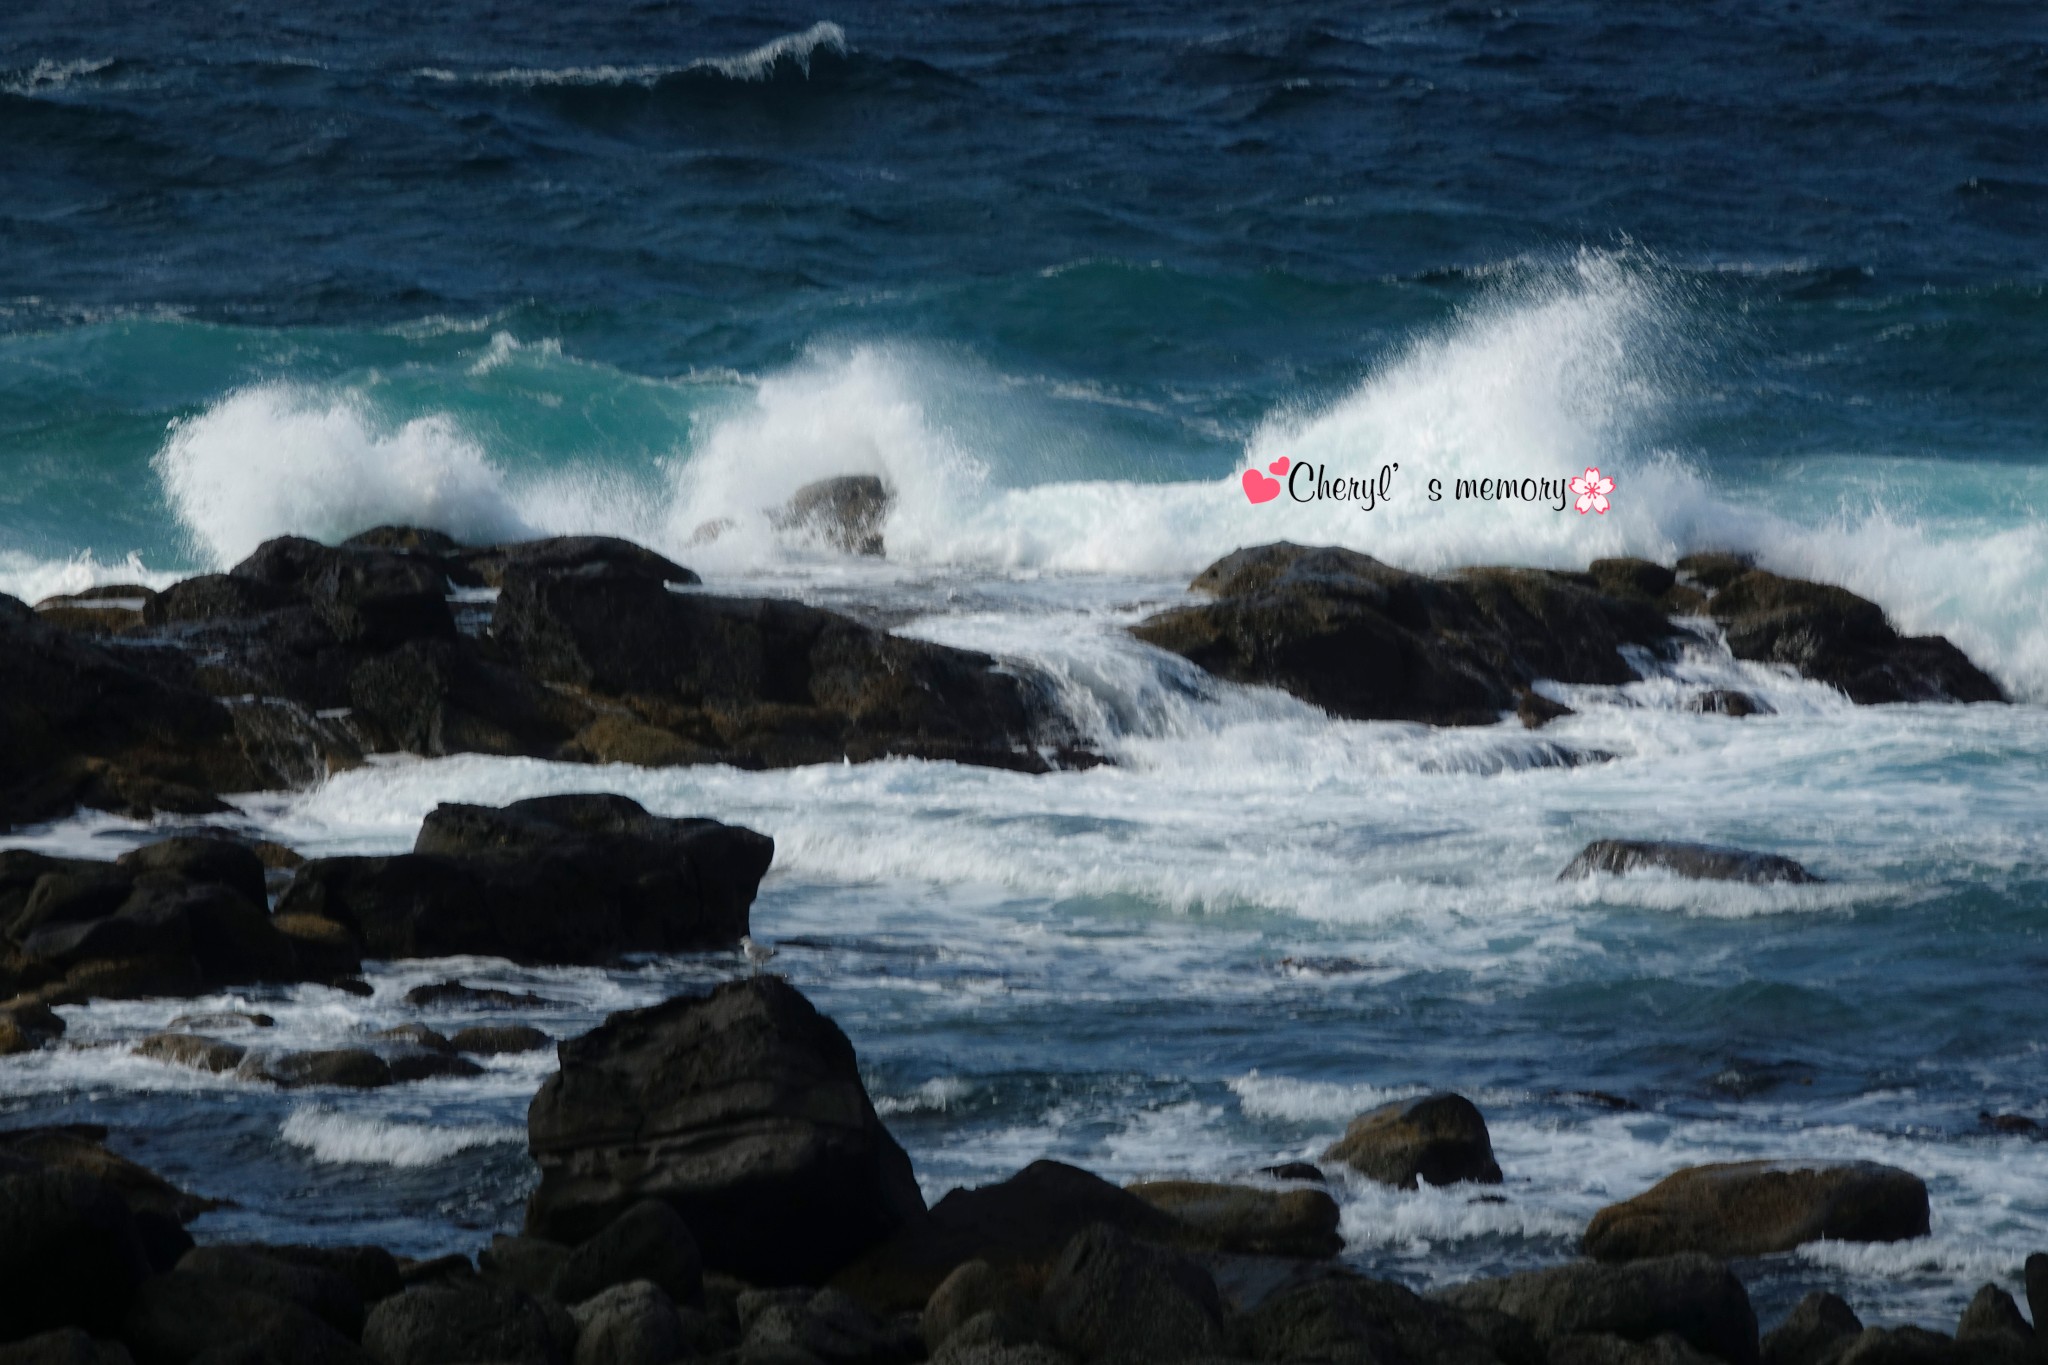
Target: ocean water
1061, 274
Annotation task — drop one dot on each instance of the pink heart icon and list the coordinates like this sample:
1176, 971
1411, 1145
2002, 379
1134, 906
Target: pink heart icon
1280, 466
1259, 488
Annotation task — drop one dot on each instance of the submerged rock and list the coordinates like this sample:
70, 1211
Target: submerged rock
744, 1111
1751, 1208
1439, 1138
846, 513
555, 879
1701, 862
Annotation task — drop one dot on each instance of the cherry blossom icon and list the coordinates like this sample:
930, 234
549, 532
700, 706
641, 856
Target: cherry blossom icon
1592, 490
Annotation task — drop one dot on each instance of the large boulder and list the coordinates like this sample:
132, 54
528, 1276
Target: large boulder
555, 879
70, 1252
1751, 1208
1018, 1225
181, 1316
320, 1290
1701, 862
648, 1242
1350, 1318
1249, 1221
1695, 1297
1439, 1138
87, 725
468, 1322
744, 1111
1113, 1298
630, 1324
1367, 641
1833, 636
762, 682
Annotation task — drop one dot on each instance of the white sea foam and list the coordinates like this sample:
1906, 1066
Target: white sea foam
337, 1138
31, 578
48, 76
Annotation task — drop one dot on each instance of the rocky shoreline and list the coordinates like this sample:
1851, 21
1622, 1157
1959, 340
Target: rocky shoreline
715, 1182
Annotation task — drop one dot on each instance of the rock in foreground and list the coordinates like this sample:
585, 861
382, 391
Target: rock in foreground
1694, 1297
744, 1111
1751, 1208
1701, 862
555, 879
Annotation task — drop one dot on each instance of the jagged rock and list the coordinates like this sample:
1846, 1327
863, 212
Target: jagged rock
370, 598
1366, 641
650, 1242
1023, 1222
1751, 1208
488, 1040
743, 1110
468, 1320
1439, 1138
1702, 862
1348, 1317
1993, 1320
1833, 636
27, 1026
1713, 570
1240, 1218
629, 1324
193, 1050
1815, 1326
846, 513
501, 882
1535, 710
1692, 1296
584, 556
87, 726
65, 1346
1111, 1297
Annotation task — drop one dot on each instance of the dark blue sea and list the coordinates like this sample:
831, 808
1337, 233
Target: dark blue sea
1061, 274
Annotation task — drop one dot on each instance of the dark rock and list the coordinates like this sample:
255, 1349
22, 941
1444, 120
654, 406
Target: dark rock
1022, 1223
416, 1035
1440, 1138
1911, 1346
474, 997
27, 1026
1833, 636
370, 598
215, 862
577, 556
497, 882
1752, 1208
1112, 1298
420, 1064
1242, 1219
223, 1019
81, 1149
175, 1318
1992, 1318
744, 1110
1813, 1329
1714, 570
435, 1270
768, 682
1535, 710
371, 1271
488, 1040
1003, 1304
70, 1254
65, 1346
649, 1241
2007, 1123
86, 726
193, 1050
2037, 1285
1295, 1170
322, 948
1702, 862
349, 1067
1721, 701
827, 1326
529, 1264
1695, 1297
1641, 578
1350, 1318
846, 513
630, 1324
325, 1293
461, 1321
1604, 1349
1366, 641
416, 540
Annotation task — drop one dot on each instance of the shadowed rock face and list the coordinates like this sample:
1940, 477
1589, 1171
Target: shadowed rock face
744, 1111
305, 657
1694, 1297
1366, 641
556, 879
1751, 1208
1702, 862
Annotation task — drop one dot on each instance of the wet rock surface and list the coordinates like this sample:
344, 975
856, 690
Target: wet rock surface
1701, 862
1751, 1208
1441, 1139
